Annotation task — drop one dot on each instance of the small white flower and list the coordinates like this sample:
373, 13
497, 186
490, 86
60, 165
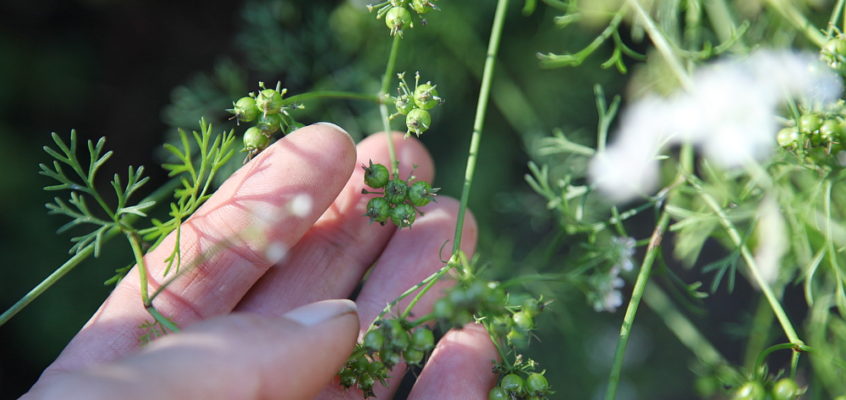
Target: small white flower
618, 283
799, 75
607, 295
611, 301
625, 247
730, 114
772, 239
729, 111
622, 173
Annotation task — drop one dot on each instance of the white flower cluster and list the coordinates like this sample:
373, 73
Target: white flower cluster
729, 111
608, 296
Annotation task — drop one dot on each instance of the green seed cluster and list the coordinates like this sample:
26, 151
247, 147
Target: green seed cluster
488, 301
833, 53
396, 14
464, 302
391, 341
782, 389
415, 104
399, 200
269, 113
387, 344
521, 386
815, 136
362, 372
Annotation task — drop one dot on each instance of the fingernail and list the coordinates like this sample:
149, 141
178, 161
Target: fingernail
321, 311
331, 125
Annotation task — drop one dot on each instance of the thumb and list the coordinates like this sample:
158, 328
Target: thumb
238, 356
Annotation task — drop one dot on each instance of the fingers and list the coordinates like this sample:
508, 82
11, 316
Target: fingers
460, 367
414, 254
249, 223
239, 356
331, 258
410, 256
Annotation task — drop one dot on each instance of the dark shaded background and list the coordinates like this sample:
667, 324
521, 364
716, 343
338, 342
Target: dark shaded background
103, 68
110, 68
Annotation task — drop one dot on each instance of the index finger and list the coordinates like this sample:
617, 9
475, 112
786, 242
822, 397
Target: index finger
258, 213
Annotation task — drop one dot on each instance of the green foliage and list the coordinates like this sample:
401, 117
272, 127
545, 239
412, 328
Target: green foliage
200, 160
84, 184
582, 250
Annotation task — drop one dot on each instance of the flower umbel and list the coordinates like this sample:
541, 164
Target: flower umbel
730, 112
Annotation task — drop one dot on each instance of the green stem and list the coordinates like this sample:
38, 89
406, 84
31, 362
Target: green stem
512, 102
829, 241
563, 60
332, 94
479, 122
135, 243
79, 257
425, 282
606, 116
792, 15
684, 330
750, 262
48, 282
142, 267
422, 320
637, 293
721, 19
481, 106
383, 107
835, 15
162, 320
783, 346
759, 335
497, 342
662, 44
99, 199
693, 24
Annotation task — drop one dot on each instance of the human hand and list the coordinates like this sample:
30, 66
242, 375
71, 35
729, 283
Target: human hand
282, 233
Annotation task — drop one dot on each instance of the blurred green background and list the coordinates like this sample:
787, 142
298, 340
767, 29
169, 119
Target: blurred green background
134, 71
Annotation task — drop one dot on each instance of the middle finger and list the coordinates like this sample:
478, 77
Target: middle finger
330, 259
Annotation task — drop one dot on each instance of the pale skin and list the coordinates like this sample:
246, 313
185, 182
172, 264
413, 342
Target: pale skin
238, 300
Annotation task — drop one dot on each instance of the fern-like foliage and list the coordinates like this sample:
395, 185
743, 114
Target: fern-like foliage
199, 158
71, 174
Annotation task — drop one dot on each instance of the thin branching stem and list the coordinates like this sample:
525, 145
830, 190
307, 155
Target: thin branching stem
795, 17
631, 310
159, 194
829, 241
472, 156
135, 244
682, 327
835, 15
48, 282
425, 282
685, 167
724, 25
737, 240
662, 44
579, 57
479, 122
383, 107
161, 319
422, 320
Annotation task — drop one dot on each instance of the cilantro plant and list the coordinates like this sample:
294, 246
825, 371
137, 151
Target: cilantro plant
718, 169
